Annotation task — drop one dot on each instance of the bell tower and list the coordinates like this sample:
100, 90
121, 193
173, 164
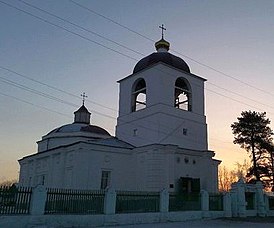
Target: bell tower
162, 102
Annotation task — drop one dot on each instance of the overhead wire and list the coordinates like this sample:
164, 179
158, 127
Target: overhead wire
94, 111
81, 36
52, 87
12, 83
26, 88
30, 103
35, 7
108, 39
81, 27
67, 30
15, 84
109, 19
179, 53
240, 95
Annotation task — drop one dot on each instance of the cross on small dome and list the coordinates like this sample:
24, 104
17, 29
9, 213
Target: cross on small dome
162, 45
84, 96
163, 28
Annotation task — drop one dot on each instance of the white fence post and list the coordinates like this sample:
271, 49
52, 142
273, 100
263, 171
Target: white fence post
110, 202
261, 208
205, 203
164, 201
238, 199
266, 200
38, 200
227, 205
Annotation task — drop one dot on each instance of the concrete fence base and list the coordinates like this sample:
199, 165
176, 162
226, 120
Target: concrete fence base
234, 205
48, 221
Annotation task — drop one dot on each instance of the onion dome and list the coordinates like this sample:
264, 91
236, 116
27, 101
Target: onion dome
162, 45
162, 55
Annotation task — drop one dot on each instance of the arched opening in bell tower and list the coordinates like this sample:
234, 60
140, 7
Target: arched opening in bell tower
138, 95
182, 95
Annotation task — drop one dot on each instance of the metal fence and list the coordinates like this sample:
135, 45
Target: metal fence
271, 202
184, 202
15, 200
137, 202
250, 200
216, 202
66, 201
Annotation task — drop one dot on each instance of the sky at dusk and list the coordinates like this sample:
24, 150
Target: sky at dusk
52, 51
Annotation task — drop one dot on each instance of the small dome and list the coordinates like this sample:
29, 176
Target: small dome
162, 44
80, 127
82, 109
82, 115
164, 57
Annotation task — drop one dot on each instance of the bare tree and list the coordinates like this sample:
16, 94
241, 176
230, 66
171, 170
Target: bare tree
227, 176
8, 182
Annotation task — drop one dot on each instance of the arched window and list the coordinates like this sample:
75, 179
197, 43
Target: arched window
182, 95
139, 95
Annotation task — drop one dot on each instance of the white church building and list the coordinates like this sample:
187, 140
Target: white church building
160, 142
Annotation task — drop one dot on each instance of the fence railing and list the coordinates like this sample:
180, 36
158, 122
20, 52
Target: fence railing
250, 200
216, 202
40, 200
66, 201
184, 202
271, 202
15, 200
137, 202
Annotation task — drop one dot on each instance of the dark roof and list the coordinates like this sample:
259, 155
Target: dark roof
80, 127
95, 129
164, 57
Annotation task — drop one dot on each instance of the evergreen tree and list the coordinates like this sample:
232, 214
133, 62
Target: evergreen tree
252, 133
268, 162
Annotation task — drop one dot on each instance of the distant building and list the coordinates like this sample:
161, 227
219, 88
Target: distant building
161, 137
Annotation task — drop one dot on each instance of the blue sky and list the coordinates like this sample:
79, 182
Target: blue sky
234, 37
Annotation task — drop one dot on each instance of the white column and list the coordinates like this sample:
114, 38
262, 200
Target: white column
38, 200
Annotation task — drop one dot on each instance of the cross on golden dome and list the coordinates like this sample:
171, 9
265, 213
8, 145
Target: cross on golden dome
163, 28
